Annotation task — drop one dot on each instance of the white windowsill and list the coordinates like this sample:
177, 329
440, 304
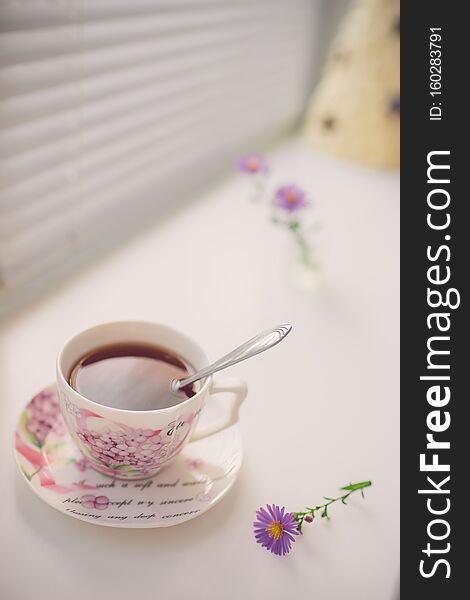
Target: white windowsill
322, 410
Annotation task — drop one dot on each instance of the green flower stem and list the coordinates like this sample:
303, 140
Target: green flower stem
36, 472
259, 185
295, 227
306, 251
29, 476
312, 510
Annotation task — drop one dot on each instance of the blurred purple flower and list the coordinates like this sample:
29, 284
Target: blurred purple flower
98, 502
290, 197
205, 496
275, 529
253, 164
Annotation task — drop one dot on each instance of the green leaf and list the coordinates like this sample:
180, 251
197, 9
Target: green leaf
357, 486
24, 420
50, 448
25, 472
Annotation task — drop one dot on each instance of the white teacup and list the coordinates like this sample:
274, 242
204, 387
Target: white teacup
149, 439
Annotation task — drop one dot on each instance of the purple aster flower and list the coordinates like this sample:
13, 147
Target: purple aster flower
253, 164
275, 529
291, 197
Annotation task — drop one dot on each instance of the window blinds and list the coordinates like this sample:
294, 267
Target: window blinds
109, 109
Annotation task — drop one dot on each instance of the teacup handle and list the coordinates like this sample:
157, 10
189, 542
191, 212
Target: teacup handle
238, 389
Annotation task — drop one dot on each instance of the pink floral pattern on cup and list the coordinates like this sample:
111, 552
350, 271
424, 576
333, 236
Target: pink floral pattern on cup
117, 449
142, 449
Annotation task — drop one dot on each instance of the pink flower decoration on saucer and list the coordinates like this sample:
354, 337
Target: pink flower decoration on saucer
63, 478
98, 502
44, 416
194, 463
205, 496
83, 464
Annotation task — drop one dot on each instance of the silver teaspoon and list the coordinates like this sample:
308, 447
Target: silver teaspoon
261, 342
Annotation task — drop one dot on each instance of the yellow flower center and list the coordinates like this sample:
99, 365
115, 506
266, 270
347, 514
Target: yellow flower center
275, 530
291, 197
253, 164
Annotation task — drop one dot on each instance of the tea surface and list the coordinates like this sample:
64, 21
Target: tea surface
131, 376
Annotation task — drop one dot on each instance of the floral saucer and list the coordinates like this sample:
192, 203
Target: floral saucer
60, 475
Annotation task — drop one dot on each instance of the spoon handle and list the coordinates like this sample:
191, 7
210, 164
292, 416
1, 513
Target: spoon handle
261, 342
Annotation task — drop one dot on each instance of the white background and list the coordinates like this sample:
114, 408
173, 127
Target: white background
322, 409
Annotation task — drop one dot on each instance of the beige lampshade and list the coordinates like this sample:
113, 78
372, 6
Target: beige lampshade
355, 110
